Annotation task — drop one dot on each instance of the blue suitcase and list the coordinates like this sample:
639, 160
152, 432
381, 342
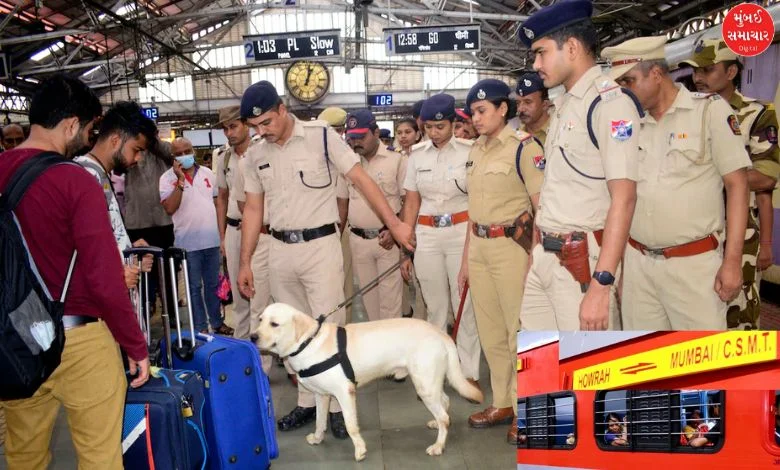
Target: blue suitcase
163, 420
239, 415
163, 423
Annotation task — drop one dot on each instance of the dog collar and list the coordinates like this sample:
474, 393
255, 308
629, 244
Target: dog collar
303, 345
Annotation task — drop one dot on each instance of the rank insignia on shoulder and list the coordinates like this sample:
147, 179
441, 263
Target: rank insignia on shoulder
622, 130
540, 162
733, 124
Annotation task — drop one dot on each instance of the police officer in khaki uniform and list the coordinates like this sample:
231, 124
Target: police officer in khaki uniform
587, 199
373, 247
504, 179
225, 167
297, 165
533, 105
337, 119
717, 70
437, 203
676, 274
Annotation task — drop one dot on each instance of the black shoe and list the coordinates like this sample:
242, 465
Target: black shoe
337, 426
410, 314
297, 418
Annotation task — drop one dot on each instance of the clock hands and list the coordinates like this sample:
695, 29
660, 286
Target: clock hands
308, 75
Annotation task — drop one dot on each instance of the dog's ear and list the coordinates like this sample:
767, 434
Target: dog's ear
301, 325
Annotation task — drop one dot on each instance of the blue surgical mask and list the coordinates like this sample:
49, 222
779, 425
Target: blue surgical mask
187, 161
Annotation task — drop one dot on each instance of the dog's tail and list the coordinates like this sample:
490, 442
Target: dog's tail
456, 378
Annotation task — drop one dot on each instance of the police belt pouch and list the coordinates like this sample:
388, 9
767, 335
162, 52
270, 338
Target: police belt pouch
572, 251
524, 230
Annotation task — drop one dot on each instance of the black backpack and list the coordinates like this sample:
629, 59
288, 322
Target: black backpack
32, 335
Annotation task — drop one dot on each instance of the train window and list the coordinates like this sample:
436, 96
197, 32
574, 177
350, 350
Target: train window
663, 420
522, 426
550, 421
777, 417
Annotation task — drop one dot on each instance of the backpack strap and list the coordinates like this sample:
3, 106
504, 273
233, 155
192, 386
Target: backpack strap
26, 174
596, 101
519, 153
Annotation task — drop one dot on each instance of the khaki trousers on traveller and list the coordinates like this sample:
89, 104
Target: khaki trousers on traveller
90, 382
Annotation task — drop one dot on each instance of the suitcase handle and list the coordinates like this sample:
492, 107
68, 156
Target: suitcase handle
143, 250
183, 350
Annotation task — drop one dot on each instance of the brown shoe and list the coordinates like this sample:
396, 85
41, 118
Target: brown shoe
492, 416
511, 435
476, 384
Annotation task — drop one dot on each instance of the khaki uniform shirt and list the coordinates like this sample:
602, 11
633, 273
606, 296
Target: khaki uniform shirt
388, 170
574, 195
439, 175
496, 193
682, 161
300, 183
540, 134
239, 184
758, 125
226, 176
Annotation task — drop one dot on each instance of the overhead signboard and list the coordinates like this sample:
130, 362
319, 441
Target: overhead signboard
714, 352
381, 99
152, 112
433, 39
292, 46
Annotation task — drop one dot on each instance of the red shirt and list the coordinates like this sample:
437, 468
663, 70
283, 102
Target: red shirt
63, 210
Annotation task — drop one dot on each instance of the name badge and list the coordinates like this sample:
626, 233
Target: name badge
263, 167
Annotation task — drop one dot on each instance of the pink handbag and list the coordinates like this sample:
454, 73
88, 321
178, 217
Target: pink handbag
224, 292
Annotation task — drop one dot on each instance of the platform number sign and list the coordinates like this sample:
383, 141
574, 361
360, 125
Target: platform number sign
382, 99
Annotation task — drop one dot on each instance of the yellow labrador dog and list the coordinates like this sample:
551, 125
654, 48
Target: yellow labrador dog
374, 349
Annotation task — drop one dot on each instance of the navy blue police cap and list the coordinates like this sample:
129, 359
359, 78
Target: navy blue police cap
486, 89
438, 108
359, 122
258, 99
416, 107
384, 133
529, 83
553, 18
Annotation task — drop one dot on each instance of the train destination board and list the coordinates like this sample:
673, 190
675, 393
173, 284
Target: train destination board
292, 46
433, 39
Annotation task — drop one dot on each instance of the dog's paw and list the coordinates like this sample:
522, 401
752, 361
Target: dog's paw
435, 449
432, 424
360, 453
313, 439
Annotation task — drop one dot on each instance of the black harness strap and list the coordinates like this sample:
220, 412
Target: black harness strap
519, 153
340, 358
592, 108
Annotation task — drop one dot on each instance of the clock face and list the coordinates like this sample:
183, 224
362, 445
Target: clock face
307, 81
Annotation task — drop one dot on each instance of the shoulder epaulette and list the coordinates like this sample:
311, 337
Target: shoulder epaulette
711, 96
607, 89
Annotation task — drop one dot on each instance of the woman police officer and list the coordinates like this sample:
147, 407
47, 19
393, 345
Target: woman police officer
437, 202
504, 178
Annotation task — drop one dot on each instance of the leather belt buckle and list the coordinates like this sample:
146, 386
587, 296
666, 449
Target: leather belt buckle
442, 221
371, 233
660, 252
496, 231
294, 236
482, 231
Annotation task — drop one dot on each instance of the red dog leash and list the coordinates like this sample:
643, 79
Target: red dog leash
460, 312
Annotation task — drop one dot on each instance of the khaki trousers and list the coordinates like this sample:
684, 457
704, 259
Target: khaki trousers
90, 382
262, 297
371, 260
552, 297
349, 280
310, 277
241, 317
496, 270
672, 294
437, 261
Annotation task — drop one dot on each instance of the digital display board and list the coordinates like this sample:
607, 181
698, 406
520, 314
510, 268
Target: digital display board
292, 46
152, 112
433, 39
382, 99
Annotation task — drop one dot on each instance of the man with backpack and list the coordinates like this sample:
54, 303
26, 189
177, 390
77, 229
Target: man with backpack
64, 210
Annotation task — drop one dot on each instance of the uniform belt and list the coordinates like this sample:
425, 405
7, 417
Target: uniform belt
563, 237
444, 220
75, 321
233, 222
493, 231
368, 234
305, 235
693, 248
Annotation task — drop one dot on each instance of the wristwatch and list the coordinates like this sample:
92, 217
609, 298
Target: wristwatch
604, 278
180, 186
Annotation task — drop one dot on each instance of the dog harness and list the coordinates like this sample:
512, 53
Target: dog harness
340, 358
